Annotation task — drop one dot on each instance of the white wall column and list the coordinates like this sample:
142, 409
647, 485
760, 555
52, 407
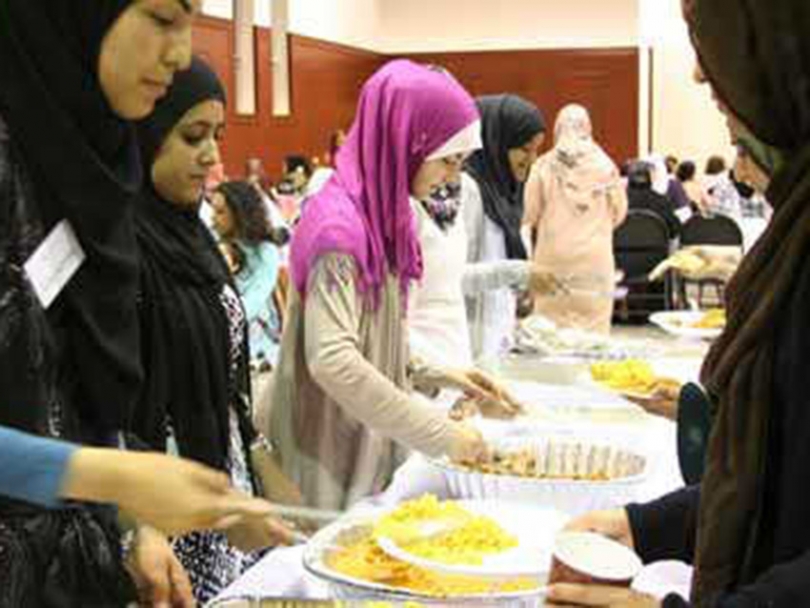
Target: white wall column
245, 58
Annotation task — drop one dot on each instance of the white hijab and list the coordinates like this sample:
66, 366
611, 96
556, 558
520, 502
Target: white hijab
660, 175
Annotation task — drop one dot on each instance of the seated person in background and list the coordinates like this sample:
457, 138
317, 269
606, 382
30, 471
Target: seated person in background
322, 174
676, 193
640, 195
723, 196
694, 190
287, 202
297, 171
671, 163
240, 220
255, 174
748, 174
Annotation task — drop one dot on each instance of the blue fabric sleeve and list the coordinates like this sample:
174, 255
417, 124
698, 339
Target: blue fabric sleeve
31, 467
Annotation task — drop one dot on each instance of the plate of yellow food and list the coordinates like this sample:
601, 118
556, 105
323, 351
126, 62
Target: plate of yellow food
347, 556
484, 539
634, 379
706, 325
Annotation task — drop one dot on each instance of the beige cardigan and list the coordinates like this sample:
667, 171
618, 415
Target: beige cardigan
341, 396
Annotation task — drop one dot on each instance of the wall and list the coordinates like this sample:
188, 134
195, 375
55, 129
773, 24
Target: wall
414, 26
326, 80
685, 120
604, 80
350, 22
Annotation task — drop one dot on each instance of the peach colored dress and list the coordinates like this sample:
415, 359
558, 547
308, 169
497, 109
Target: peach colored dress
574, 200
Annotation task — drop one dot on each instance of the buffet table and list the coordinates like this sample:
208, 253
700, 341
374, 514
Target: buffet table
281, 573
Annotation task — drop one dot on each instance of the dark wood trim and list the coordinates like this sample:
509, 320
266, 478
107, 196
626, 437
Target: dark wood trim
337, 47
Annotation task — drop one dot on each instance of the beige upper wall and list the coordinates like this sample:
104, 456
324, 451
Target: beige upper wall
686, 122
462, 25
352, 22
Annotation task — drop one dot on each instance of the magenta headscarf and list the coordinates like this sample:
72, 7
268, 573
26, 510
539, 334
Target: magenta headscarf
406, 112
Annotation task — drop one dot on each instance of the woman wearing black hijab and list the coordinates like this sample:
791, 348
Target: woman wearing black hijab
640, 195
195, 398
70, 78
513, 131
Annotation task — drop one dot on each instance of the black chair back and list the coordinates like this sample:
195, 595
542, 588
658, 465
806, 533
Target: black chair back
717, 230
640, 243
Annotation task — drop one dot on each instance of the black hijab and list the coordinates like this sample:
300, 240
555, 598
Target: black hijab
507, 121
83, 163
757, 57
186, 333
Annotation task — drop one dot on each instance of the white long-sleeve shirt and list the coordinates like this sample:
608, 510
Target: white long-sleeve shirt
438, 323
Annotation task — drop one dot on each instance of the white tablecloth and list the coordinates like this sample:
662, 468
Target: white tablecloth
281, 573
752, 228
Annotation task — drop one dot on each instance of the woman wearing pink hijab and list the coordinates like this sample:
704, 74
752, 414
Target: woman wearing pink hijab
342, 411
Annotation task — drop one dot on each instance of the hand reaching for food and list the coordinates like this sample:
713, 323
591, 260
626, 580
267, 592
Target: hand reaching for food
467, 445
543, 282
483, 395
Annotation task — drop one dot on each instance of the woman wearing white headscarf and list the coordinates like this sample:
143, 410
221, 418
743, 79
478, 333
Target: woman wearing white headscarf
574, 200
660, 175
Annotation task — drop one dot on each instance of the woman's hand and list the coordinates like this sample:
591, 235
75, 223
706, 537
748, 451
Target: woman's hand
468, 445
493, 400
612, 523
254, 533
158, 575
171, 494
563, 595
663, 402
543, 282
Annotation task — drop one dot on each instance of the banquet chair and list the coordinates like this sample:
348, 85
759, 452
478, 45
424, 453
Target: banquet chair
639, 245
716, 230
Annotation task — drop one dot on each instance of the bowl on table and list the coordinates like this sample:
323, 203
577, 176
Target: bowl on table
570, 474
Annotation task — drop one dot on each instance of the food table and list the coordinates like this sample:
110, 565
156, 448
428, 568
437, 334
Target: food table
282, 574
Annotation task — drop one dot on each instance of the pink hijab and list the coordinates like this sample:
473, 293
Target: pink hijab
406, 113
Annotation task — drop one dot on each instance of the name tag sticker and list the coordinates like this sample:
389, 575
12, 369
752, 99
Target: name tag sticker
54, 263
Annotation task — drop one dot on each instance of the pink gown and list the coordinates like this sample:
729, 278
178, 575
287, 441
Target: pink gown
574, 200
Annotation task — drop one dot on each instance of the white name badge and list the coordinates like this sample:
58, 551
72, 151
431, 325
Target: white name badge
54, 263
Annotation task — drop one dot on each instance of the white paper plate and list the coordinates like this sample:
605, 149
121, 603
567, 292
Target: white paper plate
354, 528
531, 558
680, 323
